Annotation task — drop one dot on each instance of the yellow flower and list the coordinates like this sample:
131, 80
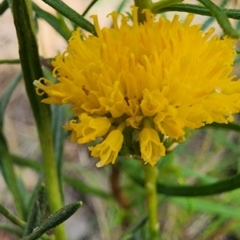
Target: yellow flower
88, 129
150, 145
108, 150
168, 72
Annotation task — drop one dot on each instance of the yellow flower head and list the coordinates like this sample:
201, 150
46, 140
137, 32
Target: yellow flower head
152, 80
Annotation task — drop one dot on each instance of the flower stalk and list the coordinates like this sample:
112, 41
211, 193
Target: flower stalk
151, 174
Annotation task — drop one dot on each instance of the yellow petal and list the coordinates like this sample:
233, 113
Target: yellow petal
89, 128
108, 150
150, 146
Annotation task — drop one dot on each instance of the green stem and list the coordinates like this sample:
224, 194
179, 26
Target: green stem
10, 61
163, 4
5, 212
28, 51
191, 8
142, 4
221, 17
151, 195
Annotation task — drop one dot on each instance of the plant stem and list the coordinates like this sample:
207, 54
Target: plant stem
192, 8
164, 3
28, 52
221, 17
151, 196
14, 219
142, 4
51, 176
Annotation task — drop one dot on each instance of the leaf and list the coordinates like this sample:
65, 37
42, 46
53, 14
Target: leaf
127, 235
58, 120
51, 20
184, 190
84, 188
229, 126
11, 229
54, 220
72, 15
210, 20
221, 17
192, 8
11, 217
3, 6
206, 206
37, 210
7, 95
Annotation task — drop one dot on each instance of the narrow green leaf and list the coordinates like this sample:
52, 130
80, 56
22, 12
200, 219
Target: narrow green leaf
3, 104
191, 8
205, 179
89, 7
229, 126
14, 219
37, 211
3, 6
10, 2
58, 140
54, 220
163, 4
10, 61
72, 15
130, 232
11, 180
63, 24
212, 227
221, 17
11, 229
7, 95
210, 20
84, 188
238, 26
121, 5
202, 190
51, 20
186, 191
31, 163
206, 206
